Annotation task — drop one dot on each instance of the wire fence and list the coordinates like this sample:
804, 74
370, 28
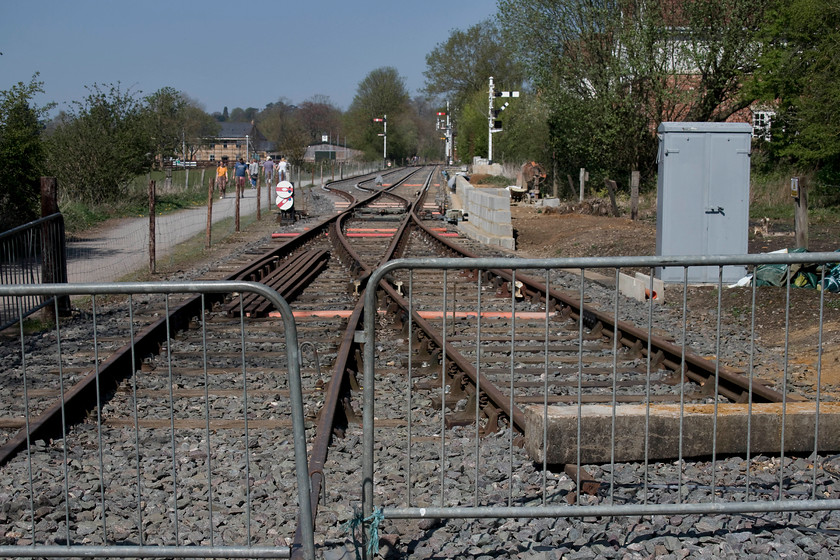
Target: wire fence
109, 254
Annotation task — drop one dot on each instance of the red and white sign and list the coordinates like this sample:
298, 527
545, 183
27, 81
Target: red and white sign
285, 195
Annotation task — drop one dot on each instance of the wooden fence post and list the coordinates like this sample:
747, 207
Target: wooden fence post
151, 227
209, 214
800, 215
259, 185
635, 179
611, 188
236, 210
571, 185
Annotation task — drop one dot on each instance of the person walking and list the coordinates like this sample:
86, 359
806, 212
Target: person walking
268, 170
240, 171
221, 178
283, 169
254, 171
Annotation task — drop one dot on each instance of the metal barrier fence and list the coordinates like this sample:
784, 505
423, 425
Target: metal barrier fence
193, 446
33, 253
600, 435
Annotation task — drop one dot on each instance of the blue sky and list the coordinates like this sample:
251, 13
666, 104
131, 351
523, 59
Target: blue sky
220, 55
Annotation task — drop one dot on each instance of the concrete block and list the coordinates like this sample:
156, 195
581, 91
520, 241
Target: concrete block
630, 287
658, 286
663, 440
638, 286
489, 214
497, 202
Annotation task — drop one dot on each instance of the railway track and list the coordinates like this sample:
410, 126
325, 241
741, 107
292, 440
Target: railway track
468, 349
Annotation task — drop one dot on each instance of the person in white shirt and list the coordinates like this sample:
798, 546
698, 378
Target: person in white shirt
283, 169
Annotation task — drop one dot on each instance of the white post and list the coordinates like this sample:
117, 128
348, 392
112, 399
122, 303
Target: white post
490, 124
385, 141
448, 136
582, 182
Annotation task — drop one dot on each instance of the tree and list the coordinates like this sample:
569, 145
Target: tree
429, 144
459, 69
243, 115
472, 127
525, 131
101, 144
279, 122
200, 129
461, 65
382, 92
21, 153
177, 124
165, 120
319, 116
610, 71
723, 55
797, 77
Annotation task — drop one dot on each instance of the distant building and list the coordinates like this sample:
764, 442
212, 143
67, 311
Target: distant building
237, 140
330, 152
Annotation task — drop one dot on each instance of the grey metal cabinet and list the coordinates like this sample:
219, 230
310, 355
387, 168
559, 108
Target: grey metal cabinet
703, 193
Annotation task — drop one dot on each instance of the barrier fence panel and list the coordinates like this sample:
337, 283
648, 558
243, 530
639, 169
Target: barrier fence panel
31, 254
154, 435
658, 450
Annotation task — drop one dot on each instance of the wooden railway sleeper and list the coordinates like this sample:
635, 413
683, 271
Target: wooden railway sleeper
349, 412
470, 274
358, 354
449, 402
584, 482
353, 379
400, 321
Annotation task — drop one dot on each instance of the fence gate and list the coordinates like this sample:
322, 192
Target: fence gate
154, 434
576, 434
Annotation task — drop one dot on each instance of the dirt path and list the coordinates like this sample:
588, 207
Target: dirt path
121, 246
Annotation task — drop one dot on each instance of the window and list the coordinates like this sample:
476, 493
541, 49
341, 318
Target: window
212, 157
212, 146
762, 121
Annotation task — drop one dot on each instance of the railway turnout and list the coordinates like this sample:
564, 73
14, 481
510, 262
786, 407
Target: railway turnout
447, 390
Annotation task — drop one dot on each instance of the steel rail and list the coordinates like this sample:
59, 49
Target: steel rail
119, 365
337, 386
734, 386
95, 386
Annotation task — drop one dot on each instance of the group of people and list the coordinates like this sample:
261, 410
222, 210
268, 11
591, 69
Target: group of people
242, 171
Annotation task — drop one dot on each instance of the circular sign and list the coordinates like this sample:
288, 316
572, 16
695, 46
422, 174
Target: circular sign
285, 195
285, 189
285, 203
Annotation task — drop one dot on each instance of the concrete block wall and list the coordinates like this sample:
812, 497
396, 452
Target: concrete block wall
488, 214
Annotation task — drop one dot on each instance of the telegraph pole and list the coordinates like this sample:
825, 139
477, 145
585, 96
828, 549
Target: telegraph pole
490, 119
492, 113
448, 136
443, 123
384, 135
